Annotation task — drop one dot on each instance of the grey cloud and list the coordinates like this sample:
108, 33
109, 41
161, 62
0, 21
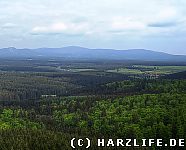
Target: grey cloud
163, 24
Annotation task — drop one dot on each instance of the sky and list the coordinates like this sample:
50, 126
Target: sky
158, 25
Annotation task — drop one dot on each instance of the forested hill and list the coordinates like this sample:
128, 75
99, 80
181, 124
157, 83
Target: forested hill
179, 75
74, 52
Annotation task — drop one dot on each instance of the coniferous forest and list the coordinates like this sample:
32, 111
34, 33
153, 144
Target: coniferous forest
44, 104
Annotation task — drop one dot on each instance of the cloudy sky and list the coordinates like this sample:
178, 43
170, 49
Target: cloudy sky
121, 24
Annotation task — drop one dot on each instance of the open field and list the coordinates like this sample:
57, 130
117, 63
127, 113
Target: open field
152, 70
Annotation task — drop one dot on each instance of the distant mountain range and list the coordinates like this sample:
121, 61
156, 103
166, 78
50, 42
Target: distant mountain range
74, 52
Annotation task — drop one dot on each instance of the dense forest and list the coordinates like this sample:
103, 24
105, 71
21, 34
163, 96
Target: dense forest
44, 104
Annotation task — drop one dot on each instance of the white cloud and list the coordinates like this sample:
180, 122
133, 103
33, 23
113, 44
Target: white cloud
168, 13
57, 27
127, 24
167, 17
9, 25
60, 27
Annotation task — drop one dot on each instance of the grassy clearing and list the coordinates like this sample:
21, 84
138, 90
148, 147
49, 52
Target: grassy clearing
126, 71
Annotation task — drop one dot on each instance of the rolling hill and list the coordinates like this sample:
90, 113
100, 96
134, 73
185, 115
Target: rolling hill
74, 52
